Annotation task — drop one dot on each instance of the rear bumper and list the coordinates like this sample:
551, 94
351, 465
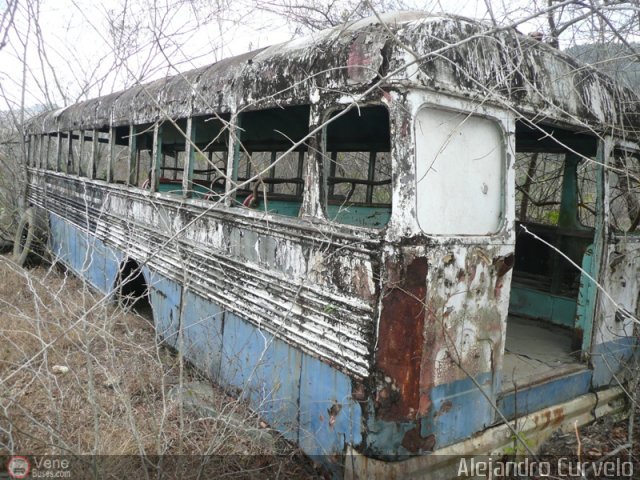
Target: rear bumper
535, 428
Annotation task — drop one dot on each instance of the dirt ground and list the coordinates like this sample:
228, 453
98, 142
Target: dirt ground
80, 375
604, 441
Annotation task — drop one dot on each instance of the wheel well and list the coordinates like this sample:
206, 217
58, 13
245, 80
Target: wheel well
132, 287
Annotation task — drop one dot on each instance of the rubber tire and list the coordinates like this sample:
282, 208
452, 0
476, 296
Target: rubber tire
21, 250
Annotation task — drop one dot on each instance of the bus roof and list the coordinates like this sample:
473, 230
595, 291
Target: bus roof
444, 53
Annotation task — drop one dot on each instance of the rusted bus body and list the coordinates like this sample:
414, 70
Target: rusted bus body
378, 316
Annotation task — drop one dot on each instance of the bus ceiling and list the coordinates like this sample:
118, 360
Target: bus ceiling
532, 137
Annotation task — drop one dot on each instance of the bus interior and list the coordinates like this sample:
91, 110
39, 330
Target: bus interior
271, 161
556, 194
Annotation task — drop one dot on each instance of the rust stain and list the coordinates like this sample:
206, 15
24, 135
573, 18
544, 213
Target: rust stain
428, 361
401, 343
577, 338
415, 443
358, 392
558, 415
502, 265
547, 418
541, 420
360, 61
333, 412
446, 406
553, 417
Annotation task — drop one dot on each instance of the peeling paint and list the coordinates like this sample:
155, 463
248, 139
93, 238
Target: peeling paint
512, 69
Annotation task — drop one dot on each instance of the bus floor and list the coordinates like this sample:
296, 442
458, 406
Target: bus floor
535, 352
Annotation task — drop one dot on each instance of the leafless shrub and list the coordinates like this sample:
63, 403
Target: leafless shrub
83, 376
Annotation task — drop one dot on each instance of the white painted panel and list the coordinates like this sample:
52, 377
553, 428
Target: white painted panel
460, 163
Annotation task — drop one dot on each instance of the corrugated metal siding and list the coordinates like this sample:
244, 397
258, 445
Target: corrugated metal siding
321, 317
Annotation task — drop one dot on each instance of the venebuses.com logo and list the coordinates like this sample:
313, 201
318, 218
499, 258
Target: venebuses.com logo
32, 467
18, 467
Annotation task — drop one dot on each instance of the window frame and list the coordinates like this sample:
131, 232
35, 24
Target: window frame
327, 157
238, 150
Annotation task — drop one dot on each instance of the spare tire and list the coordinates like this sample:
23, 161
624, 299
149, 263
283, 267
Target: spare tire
30, 237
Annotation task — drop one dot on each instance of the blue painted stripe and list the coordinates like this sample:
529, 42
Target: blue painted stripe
610, 358
165, 300
459, 409
202, 326
87, 256
537, 397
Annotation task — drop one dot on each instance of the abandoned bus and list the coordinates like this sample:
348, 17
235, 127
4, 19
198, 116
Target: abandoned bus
393, 237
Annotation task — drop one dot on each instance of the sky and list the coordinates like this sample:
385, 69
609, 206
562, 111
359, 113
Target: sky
70, 48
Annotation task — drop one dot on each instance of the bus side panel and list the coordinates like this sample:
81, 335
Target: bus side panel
59, 242
329, 416
96, 265
614, 339
165, 296
86, 255
265, 369
284, 384
613, 359
237, 354
275, 387
266, 303
78, 250
465, 328
202, 326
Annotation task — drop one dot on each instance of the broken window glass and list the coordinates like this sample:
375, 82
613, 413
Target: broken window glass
272, 161
357, 153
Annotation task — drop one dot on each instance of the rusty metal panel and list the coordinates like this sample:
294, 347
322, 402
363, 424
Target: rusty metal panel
401, 338
443, 320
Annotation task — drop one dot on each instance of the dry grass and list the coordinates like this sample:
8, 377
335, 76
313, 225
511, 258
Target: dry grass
113, 398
